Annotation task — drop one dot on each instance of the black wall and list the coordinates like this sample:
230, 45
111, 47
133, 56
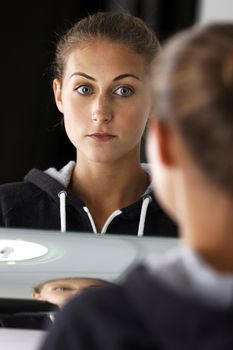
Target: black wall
30, 132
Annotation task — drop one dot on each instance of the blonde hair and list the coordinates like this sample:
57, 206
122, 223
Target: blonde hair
117, 27
193, 89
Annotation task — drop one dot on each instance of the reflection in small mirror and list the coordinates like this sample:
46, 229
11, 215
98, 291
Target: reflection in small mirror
59, 291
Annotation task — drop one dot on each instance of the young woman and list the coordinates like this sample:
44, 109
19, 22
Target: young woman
102, 88
185, 300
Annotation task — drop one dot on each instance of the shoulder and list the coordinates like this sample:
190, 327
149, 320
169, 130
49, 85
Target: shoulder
113, 316
13, 195
138, 313
12, 190
35, 182
111, 309
95, 303
119, 304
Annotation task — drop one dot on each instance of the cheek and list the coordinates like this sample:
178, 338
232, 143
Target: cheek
71, 130
73, 107
48, 296
134, 119
55, 297
75, 121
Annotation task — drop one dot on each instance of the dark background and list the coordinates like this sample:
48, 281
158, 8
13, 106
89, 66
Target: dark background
30, 132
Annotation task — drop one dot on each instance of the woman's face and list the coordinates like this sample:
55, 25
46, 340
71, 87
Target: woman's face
105, 98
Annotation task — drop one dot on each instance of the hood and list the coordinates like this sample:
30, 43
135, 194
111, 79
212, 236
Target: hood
55, 183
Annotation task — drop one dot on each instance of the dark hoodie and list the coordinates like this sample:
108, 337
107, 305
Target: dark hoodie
144, 312
44, 201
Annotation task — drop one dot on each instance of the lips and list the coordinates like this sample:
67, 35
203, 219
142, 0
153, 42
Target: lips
101, 136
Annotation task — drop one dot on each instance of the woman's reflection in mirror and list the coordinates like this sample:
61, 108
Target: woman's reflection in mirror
102, 87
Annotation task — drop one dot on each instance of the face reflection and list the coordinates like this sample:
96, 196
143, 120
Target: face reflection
105, 99
60, 291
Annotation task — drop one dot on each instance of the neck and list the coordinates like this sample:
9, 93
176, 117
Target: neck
207, 226
101, 181
106, 187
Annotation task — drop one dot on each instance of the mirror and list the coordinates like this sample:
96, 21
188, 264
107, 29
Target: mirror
71, 255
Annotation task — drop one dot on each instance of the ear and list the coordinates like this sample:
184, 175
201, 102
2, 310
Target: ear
160, 138
57, 90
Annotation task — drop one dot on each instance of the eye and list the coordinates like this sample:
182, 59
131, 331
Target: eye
124, 91
84, 90
62, 289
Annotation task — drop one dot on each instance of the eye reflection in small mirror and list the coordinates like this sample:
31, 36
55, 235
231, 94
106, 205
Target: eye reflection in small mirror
59, 291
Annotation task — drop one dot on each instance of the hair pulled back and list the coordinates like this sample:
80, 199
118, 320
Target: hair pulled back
193, 89
116, 27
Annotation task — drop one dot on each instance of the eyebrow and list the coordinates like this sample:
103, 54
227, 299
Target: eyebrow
126, 75
119, 77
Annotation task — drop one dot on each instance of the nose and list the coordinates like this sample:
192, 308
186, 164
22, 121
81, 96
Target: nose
101, 110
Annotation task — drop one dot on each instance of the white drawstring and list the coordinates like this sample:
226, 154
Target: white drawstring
91, 219
108, 221
62, 195
145, 203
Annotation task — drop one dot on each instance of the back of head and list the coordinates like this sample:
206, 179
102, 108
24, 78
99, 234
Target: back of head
193, 90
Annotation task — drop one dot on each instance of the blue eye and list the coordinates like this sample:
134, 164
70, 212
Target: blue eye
124, 91
84, 90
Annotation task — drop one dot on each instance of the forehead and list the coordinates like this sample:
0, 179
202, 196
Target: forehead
102, 55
